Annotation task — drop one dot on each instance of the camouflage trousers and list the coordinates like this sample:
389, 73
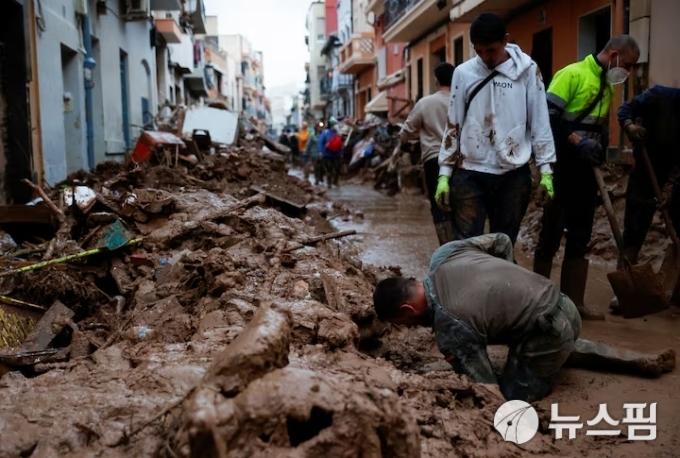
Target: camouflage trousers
540, 354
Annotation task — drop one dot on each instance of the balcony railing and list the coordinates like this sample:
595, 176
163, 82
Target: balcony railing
395, 9
326, 86
357, 54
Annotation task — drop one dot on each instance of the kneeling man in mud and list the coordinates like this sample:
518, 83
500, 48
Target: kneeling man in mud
474, 296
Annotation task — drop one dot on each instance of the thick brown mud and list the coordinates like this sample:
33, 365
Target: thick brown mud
578, 391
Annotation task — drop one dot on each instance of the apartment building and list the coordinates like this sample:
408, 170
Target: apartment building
430, 36
224, 69
318, 71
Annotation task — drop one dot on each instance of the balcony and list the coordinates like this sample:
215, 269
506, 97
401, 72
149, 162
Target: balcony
196, 9
357, 54
406, 20
216, 57
326, 87
341, 82
170, 31
377, 7
467, 10
182, 54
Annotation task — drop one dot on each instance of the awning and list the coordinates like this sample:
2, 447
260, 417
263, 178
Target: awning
196, 85
378, 104
391, 80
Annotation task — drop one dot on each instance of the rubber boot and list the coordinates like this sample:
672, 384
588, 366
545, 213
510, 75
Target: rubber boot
543, 267
444, 232
573, 285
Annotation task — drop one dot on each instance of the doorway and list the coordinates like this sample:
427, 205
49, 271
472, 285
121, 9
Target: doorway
125, 98
73, 132
16, 160
541, 53
594, 31
419, 70
458, 51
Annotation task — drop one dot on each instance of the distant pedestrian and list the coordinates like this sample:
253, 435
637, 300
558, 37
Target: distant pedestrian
313, 156
331, 148
427, 122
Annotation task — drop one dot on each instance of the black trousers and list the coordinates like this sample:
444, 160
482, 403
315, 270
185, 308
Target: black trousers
572, 211
641, 205
431, 171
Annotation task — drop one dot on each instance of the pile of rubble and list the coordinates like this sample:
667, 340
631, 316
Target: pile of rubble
210, 309
378, 157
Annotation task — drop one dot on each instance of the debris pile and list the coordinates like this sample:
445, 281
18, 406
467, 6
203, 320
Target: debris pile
376, 155
210, 309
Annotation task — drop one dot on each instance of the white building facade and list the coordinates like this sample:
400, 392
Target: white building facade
316, 38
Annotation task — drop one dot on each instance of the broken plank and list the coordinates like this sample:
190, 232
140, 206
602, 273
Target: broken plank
319, 238
26, 214
49, 326
278, 198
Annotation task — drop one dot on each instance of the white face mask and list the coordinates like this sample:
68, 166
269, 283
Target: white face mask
617, 75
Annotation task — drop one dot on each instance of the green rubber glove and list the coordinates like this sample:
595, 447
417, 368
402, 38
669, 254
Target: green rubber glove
441, 195
546, 189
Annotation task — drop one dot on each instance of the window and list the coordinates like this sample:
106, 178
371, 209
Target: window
320, 29
382, 62
458, 51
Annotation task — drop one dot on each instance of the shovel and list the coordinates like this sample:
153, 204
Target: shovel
670, 268
638, 289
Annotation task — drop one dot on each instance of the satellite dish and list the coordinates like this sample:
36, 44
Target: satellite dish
370, 17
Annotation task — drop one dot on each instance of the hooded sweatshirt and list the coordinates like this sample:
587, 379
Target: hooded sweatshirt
506, 121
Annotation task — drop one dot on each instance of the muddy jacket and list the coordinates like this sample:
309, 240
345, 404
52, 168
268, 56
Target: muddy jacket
312, 147
572, 90
505, 123
477, 296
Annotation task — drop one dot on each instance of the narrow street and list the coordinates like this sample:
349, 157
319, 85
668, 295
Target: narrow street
398, 231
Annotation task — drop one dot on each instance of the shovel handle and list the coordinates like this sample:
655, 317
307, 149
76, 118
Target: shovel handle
609, 209
657, 192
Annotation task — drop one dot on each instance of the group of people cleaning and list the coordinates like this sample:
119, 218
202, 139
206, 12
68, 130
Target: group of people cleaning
478, 133
318, 150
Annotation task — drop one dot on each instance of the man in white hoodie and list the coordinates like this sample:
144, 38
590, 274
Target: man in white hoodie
498, 116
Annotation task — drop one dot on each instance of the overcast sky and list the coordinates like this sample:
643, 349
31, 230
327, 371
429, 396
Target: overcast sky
275, 27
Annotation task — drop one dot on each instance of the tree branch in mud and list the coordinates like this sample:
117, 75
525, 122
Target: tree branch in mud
66, 224
319, 238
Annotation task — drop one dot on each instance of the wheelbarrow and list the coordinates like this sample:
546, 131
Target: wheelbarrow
639, 290
670, 267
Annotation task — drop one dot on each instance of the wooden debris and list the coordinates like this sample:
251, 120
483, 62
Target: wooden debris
49, 326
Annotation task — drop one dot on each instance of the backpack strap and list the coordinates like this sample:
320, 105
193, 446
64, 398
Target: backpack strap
478, 88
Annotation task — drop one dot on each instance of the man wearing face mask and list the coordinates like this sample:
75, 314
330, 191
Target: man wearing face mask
579, 98
497, 117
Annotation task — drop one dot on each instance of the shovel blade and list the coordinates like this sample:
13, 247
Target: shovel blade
639, 291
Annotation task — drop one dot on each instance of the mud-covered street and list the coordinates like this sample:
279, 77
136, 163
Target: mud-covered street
397, 231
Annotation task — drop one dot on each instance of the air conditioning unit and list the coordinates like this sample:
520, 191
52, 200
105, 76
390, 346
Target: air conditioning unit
136, 10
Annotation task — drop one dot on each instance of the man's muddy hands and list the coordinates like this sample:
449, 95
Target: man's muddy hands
441, 195
546, 190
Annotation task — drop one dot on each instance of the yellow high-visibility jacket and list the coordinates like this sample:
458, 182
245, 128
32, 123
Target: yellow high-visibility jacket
571, 91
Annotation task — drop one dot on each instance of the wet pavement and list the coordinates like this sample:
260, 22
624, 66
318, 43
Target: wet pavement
398, 231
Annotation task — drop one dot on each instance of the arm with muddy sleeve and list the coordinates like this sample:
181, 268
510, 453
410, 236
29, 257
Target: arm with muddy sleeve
464, 349
411, 129
538, 117
449, 151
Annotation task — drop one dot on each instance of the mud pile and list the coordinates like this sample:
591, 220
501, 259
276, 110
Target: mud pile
240, 325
